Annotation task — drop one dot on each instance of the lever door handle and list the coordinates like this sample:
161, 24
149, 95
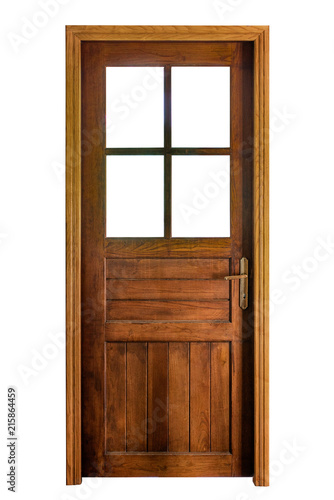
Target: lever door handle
243, 282
236, 277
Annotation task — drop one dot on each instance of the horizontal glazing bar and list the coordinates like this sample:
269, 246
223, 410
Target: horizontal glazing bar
171, 151
135, 151
200, 151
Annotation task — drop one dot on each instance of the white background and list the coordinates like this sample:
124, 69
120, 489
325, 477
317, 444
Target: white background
32, 244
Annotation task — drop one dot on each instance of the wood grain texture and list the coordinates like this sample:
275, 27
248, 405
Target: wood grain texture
236, 162
155, 53
238, 165
115, 421
191, 465
237, 409
173, 331
178, 397
167, 268
73, 260
220, 396
136, 396
167, 465
157, 405
159, 310
176, 247
199, 396
165, 33
167, 289
261, 258
92, 256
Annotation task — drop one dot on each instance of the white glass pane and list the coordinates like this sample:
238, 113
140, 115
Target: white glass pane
135, 107
200, 196
201, 107
135, 196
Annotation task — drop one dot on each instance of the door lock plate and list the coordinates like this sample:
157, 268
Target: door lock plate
244, 283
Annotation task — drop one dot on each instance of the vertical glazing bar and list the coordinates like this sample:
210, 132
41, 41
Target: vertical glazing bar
167, 145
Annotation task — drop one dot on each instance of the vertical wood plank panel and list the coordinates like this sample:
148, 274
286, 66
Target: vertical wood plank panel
178, 399
220, 396
115, 396
136, 396
157, 421
199, 396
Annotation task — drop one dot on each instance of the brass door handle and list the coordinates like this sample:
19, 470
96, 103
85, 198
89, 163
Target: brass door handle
243, 284
236, 277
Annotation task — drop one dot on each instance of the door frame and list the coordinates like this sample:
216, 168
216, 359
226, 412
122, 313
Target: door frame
260, 36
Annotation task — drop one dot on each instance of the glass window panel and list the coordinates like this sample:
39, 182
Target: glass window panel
135, 107
135, 196
200, 196
200, 106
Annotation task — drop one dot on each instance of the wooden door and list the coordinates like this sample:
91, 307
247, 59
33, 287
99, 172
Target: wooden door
167, 351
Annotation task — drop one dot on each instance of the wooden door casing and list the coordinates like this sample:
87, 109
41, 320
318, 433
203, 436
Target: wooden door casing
258, 36
130, 355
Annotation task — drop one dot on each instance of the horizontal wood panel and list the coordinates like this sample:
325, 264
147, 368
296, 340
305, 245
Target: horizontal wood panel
162, 465
152, 53
164, 310
167, 289
120, 248
167, 268
170, 331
